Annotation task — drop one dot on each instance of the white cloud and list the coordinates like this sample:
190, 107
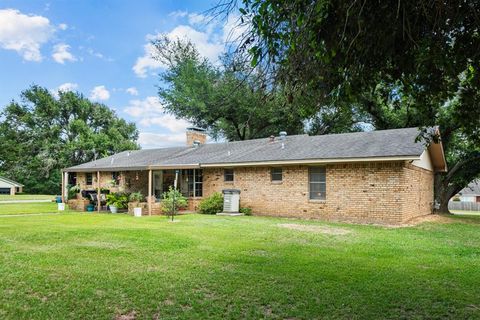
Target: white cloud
206, 34
67, 86
24, 33
150, 112
178, 14
155, 140
99, 93
64, 87
144, 108
63, 26
233, 29
167, 121
196, 18
132, 90
146, 63
61, 54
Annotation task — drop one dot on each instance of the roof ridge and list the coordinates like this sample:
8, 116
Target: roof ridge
11, 181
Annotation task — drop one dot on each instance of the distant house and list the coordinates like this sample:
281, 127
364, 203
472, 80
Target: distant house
11, 187
373, 177
471, 193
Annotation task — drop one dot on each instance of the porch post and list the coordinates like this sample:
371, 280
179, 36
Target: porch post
63, 186
99, 198
149, 201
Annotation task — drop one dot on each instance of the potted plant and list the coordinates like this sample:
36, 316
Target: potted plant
135, 198
117, 201
74, 192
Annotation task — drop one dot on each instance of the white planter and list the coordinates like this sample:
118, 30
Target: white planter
113, 209
61, 206
137, 212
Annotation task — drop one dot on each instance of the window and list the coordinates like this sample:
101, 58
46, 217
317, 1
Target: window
276, 174
317, 183
191, 183
228, 175
116, 177
72, 179
198, 183
89, 179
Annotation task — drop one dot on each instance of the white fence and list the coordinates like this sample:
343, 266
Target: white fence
468, 206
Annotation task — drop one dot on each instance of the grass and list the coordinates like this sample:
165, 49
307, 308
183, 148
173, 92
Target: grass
466, 212
103, 266
27, 208
6, 197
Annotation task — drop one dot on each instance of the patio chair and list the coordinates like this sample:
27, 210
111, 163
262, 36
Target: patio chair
103, 201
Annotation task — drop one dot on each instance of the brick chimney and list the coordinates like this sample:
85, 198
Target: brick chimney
196, 135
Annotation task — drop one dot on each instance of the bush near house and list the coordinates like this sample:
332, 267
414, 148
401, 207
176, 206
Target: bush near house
212, 204
172, 201
246, 211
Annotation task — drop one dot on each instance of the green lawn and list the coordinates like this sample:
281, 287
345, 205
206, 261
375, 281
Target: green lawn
5, 197
103, 266
27, 208
466, 212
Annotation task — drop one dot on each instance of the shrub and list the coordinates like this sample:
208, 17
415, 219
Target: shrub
72, 192
118, 199
212, 204
246, 211
169, 198
135, 197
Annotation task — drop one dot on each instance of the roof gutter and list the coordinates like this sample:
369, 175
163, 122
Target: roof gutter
248, 164
309, 161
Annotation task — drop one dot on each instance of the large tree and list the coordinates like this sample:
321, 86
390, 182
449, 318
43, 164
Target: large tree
404, 63
44, 133
231, 99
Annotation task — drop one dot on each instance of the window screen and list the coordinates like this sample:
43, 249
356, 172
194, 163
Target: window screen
317, 183
228, 175
276, 174
89, 178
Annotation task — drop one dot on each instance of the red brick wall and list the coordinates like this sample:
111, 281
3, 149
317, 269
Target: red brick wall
388, 192
374, 192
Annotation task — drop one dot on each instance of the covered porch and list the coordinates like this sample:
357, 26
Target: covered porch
152, 183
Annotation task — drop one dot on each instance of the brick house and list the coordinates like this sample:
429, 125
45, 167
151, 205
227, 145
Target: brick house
10, 187
369, 177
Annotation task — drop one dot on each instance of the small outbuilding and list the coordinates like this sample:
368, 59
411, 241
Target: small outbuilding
10, 187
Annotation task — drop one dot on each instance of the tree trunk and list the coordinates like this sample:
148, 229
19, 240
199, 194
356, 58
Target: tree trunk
444, 190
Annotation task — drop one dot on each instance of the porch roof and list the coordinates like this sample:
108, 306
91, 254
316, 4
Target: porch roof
382, 145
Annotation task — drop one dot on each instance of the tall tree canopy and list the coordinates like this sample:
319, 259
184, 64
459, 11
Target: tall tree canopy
232, 100
42, 134
403, 63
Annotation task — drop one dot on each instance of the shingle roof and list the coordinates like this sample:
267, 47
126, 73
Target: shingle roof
14, 183
374, 144
472, 189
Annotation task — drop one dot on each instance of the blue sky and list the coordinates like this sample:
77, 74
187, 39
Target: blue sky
101, 48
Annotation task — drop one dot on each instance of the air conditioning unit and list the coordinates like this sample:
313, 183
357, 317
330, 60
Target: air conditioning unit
231, 201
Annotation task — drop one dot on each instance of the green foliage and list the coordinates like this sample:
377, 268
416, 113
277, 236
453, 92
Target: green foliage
172, 201
135, 197
246, 211
212, 204
117, 199
394, 64
73, 191
229, 101
42, 133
